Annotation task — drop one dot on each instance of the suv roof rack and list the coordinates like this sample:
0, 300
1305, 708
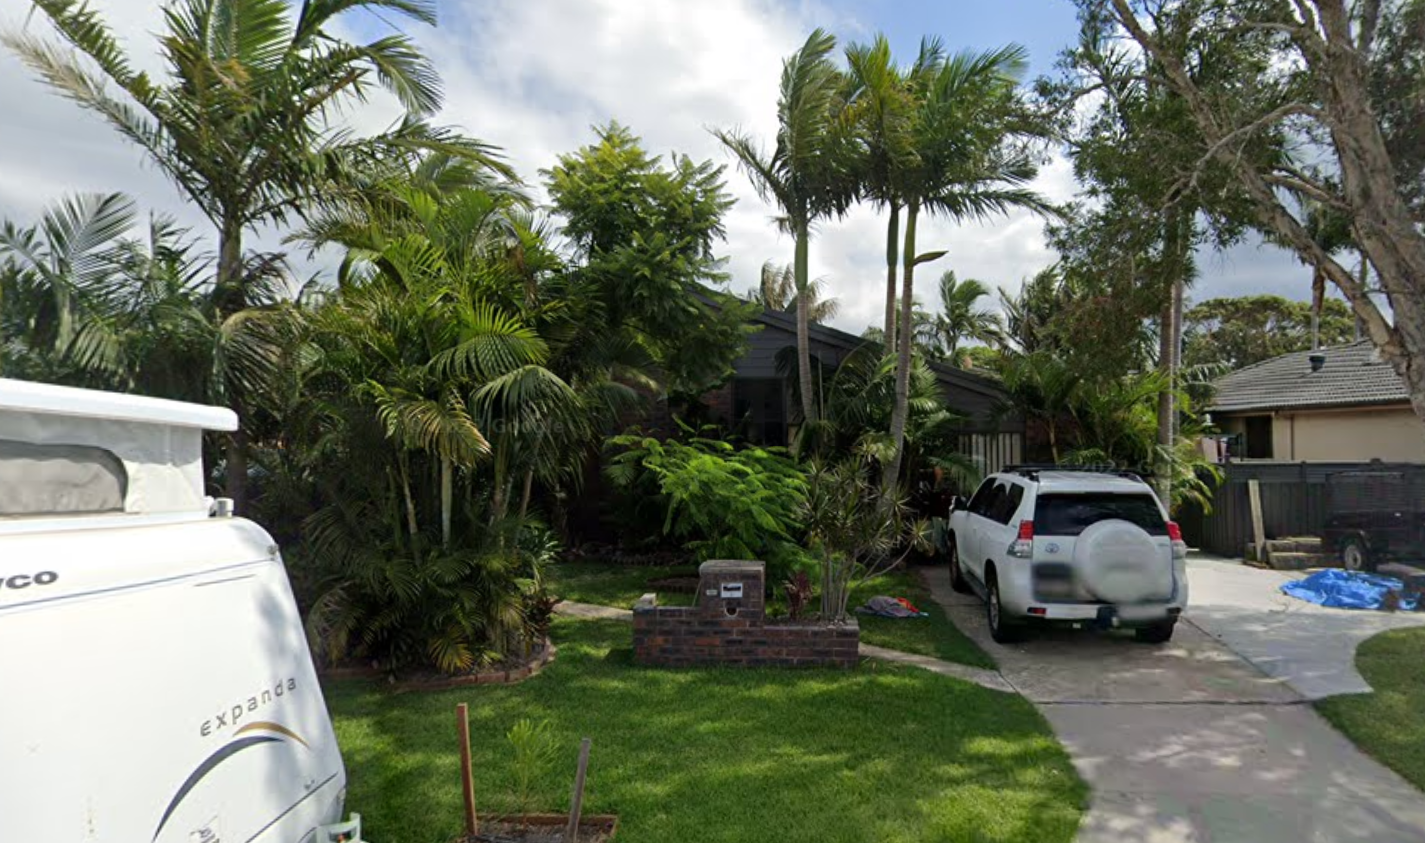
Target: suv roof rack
1031, 470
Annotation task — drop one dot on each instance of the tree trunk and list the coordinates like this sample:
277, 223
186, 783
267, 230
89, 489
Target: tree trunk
892, 253
404, 461
808, 391
227, 299
237, 469
447, 499
899, 410
1053, 438
1318, 302
528, 490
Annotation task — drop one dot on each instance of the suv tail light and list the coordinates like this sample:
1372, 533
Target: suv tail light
1179, 546
1023, 546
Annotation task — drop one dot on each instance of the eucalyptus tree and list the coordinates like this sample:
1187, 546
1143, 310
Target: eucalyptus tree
970, 130
1307, 72
807, 174
242, 119
778, 291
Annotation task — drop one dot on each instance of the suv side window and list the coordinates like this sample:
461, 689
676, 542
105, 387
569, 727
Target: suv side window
1005, 501
981, 497
1012, 502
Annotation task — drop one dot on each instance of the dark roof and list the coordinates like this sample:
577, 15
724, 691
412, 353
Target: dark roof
1353, 375
944, 372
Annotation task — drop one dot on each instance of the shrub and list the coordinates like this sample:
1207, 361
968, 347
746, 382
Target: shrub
721, 501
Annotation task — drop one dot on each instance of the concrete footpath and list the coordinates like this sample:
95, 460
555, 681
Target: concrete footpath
1189, 742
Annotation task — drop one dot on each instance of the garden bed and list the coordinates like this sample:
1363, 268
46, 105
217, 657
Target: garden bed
504, 673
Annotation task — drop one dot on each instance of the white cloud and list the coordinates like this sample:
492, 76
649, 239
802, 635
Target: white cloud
533, 77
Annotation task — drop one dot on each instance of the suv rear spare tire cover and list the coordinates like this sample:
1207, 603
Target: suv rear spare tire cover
1119, 563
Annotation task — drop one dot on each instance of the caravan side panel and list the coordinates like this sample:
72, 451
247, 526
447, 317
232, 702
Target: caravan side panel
155, 687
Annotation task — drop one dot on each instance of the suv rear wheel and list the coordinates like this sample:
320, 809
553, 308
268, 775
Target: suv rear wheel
1002, 629
957, 576
1158, 633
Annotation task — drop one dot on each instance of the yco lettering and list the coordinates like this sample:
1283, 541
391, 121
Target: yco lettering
15, 582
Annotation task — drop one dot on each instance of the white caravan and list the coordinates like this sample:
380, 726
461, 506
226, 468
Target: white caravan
155, 682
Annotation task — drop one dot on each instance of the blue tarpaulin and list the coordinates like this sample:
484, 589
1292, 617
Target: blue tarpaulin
1350, 590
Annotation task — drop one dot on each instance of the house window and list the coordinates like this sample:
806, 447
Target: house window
759, 406
1259, 438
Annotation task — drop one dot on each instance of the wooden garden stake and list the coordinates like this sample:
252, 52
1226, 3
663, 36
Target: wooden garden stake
467, 776
576, 800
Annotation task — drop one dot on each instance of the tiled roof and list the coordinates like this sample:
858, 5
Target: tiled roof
1352, 375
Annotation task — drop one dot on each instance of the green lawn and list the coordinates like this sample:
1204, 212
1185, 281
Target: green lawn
1387, 724
609, 584
620, 585
934, 635
882, 753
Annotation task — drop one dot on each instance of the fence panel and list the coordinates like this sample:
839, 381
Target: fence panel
1294, 503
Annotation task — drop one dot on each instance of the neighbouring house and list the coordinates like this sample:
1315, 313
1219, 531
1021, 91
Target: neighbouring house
758, 402
1338, 404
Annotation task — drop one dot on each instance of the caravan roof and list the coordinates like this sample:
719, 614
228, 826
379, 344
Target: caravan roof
67, 451
113, 406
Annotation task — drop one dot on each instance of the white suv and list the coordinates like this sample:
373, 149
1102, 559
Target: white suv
1045, 544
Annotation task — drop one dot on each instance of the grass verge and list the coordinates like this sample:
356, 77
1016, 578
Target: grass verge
1387, 724
933, 635
882, 753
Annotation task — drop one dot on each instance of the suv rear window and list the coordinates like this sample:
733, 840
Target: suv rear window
1071, 514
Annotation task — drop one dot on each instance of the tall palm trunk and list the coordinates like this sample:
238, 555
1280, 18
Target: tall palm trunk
227, 297
899, 410
528, 491
892, 244
447, 499
808, 392
404, 463
1169, 345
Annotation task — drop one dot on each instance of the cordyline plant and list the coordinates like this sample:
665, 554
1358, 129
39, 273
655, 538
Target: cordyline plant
853, 530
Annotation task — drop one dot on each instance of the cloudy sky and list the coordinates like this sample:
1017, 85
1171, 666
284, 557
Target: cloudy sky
533, 76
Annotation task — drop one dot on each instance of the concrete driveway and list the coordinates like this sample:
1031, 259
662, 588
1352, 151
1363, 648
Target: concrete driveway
1189, 741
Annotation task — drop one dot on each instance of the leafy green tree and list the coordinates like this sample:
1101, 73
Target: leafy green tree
1239, 331
778, 291
645, 235
240, 123
806, 175
1300, 72
968, 130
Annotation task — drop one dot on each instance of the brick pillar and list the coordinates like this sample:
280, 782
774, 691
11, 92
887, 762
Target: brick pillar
732, 587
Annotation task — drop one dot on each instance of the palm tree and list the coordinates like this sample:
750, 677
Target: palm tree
241, 124
778, 291
879, 108
57, 298
969, 164
961, 317
805, 175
